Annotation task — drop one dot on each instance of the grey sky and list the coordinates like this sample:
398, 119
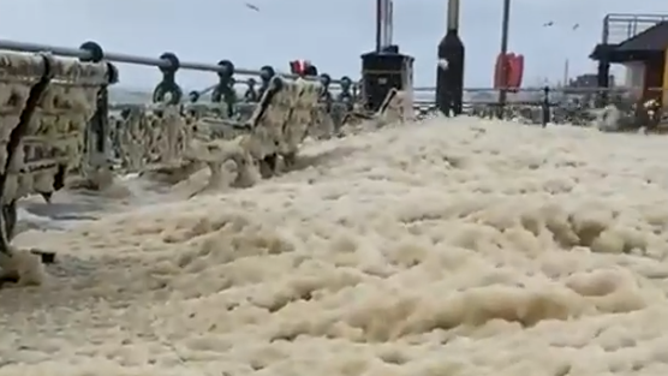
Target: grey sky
331, 33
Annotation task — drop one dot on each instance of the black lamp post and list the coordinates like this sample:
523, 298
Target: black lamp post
450, 71
505, 25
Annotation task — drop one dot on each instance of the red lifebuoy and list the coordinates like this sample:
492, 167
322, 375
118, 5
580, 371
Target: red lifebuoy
500, 79
302, 67
520, 76
516, 72
510, 80
509, 71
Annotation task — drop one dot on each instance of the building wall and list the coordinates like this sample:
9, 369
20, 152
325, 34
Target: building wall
589, 80
635, 75
653, 79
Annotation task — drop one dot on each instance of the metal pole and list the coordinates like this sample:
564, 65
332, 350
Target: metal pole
379, 25
450, 71
390, 22
505, 25
383, 24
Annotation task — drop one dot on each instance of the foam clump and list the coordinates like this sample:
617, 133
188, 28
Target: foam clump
450, 247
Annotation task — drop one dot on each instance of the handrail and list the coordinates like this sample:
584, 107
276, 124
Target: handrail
169, 64
91, 51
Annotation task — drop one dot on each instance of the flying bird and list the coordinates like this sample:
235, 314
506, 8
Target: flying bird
253, 7
575, 27
547, 24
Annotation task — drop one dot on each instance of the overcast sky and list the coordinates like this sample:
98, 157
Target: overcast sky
331, 33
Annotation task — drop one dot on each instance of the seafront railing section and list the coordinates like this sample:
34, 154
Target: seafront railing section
560, 105
58, 125
169, 92
169, 64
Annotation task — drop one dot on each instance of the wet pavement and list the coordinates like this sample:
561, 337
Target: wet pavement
68, 208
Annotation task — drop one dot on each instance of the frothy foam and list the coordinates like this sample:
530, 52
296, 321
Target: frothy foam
452, 247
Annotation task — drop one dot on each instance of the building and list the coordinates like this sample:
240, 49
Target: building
639, 43
588, 81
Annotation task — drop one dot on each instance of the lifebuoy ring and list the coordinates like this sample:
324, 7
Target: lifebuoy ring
516, 72
500, 79
509, 71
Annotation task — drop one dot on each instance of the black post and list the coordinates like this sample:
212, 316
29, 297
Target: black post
505, 25
603, 81
450, 71
545, 107
379, 25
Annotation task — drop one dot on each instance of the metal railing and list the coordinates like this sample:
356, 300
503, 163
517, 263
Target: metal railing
167, 92
91, 51
169, 64
620, 27
561, 105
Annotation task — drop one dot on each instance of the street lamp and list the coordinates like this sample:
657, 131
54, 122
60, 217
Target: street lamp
384, 24
450, 66
505, 25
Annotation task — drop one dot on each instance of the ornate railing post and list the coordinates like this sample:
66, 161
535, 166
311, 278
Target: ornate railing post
98, 132
193, 96
266, 74
346, 96
250, 95
545, 107
224, 90
168, 84
325, 94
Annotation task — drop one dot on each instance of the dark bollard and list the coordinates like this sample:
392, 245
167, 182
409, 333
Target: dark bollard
545, 107
168, 84
450, 71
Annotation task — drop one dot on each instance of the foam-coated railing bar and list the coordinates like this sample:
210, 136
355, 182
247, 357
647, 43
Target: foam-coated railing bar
575, 90
87, 54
